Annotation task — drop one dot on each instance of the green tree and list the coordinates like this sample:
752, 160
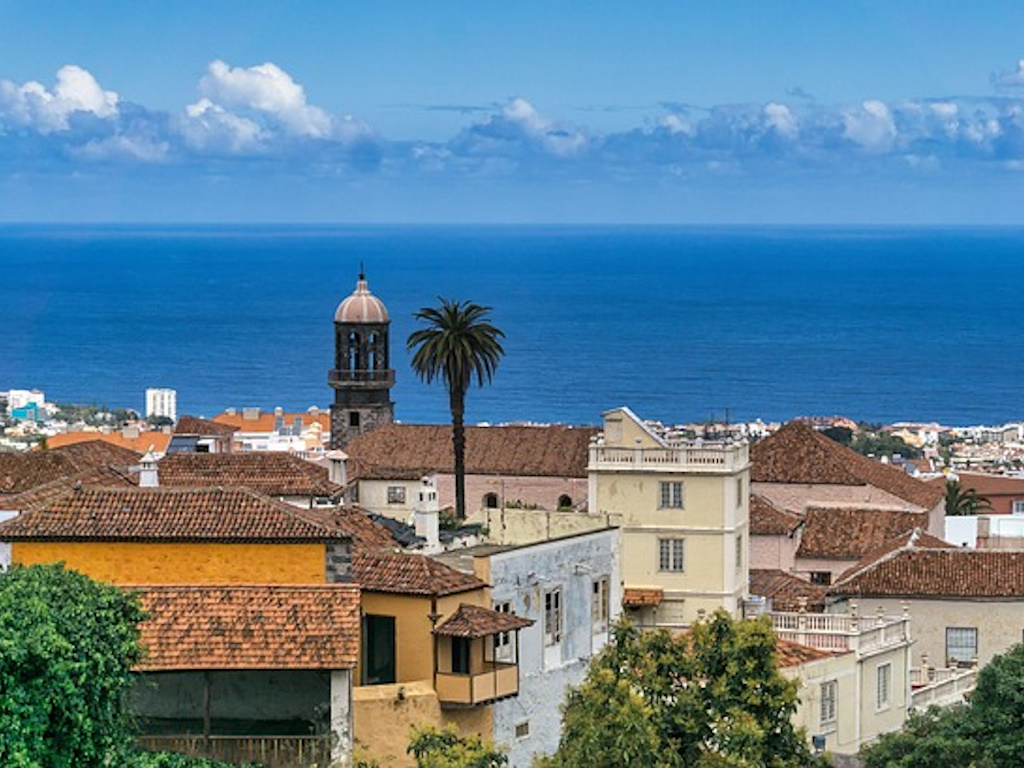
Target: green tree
67, 646
434, 748
964, 501
457, 345
987, 732
713, 697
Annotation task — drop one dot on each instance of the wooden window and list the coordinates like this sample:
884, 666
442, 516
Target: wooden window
670, 555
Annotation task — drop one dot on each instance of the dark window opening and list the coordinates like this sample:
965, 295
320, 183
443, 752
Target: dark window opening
564, 501
821, 577
379, 644
460, 655
491, 500
353, 418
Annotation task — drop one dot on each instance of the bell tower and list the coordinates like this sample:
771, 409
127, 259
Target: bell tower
361, 378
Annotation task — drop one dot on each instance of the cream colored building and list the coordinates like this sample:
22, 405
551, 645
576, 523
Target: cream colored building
683, 508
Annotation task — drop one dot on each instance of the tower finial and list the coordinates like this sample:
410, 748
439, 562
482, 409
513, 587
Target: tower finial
362, 271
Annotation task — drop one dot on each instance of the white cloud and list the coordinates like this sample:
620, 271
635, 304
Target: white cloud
871, 126
779, 117
209, 126
125, 148
677, 125
76, 90
561, 142
1013, 79
267, 89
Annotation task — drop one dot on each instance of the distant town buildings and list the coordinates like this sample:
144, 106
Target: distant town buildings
162, 402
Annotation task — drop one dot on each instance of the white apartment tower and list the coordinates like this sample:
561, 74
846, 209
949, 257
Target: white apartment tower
162, 402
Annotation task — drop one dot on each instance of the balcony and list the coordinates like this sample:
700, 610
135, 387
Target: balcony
481, 687
268, 751
841, 632
724, 458
368, 379
931, 686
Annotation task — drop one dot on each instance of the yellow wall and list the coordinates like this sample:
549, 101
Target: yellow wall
384, 716
181, 563
414, 645
638, 496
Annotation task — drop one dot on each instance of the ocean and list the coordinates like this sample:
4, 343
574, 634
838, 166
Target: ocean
680, 324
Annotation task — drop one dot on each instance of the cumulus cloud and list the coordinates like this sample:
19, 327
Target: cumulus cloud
1014, 79
517, 129
871, 126
779, 118
268, 89
31, 105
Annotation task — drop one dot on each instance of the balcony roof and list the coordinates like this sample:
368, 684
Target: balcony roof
474, 621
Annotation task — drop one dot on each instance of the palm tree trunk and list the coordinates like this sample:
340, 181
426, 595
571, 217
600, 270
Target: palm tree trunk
457, 399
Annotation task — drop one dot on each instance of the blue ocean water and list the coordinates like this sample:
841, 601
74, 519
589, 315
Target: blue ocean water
678, 323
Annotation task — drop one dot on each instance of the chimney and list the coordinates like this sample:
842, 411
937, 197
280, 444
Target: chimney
337, 469
250, 414
148, 474
427, 516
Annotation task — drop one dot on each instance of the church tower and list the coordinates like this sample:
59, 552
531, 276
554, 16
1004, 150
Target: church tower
361, 378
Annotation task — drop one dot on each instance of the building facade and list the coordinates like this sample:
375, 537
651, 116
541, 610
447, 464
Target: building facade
162, 402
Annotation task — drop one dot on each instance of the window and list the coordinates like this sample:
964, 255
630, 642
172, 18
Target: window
670, 555
491, 500
599, 605
883, 685
739, 491
460, 655
961, 644
353, 418
522, 730
672, 495
503, 640
829, 692
739, 552
1018, 506
396, 494
553, 617
564, 501
821, 577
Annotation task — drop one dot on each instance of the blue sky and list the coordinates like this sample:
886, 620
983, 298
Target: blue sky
660, 112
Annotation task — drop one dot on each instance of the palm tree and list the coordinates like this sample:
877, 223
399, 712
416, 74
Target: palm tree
457, 345
964, 501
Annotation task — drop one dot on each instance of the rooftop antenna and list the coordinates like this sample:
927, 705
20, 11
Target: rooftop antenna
362, 272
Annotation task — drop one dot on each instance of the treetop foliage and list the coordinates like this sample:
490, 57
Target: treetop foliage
711, 698
445, 748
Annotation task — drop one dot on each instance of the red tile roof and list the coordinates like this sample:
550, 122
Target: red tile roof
164, 514
193, 425
790, 654
850, 533
250, 627
922, 566
800, 454
785, 590
272, 473
354, 522
409, 575
985, 485
474, 621
156, 440
23, 471
266, 420
98, 477
412, 450
766, 519
635, 597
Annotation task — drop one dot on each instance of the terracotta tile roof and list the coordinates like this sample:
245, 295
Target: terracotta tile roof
356, 523
922, 566
155, 441
164, 514
413, 450
790, 654
785, 590
800, 454
635, 597
23, 471
272, 473
474, 621
985, 485
409, 575
266, 420
850, 533
766, 519
193, 425
250, 627
98, 477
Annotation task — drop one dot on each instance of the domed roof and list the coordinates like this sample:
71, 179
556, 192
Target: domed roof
362, 306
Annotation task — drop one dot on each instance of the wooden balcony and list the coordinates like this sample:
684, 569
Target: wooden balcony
268, 751
469, 690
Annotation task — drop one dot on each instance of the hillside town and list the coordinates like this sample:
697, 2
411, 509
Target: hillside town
313, 591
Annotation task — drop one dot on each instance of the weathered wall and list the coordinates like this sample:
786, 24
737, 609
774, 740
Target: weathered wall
521, 576
185, 563
526, 526
773, 552
1000, 623
385, 715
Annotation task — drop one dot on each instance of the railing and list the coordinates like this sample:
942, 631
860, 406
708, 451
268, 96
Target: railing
339, 376
479, 688
940, 687
268, 751
841, 632
723, 457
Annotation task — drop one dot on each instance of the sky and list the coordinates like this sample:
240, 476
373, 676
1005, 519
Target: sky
667, 112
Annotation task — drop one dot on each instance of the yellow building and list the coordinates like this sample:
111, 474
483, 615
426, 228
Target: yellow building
684, 509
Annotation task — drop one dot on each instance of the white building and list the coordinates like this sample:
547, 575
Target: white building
162, 402
19, 398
